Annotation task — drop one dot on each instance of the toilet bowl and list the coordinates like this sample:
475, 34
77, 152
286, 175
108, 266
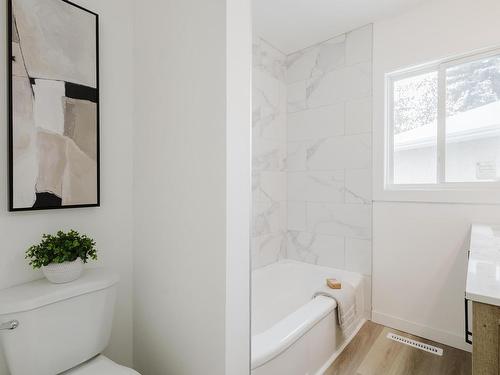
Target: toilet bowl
48, 329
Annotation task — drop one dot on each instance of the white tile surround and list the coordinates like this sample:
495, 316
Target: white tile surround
269, 183
313, 153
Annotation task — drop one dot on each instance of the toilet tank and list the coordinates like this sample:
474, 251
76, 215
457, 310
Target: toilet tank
60, 326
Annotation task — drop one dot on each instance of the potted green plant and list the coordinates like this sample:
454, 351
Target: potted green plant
61, 256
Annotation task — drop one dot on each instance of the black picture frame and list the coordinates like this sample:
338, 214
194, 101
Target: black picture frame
10, 111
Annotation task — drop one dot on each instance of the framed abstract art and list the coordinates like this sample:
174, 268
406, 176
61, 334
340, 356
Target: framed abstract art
53, 105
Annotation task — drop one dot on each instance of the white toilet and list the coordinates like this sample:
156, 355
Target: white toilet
48, 329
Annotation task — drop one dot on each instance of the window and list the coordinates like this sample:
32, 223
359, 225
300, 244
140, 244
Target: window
444, 125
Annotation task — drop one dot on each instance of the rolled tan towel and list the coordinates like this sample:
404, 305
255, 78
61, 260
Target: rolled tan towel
346, 304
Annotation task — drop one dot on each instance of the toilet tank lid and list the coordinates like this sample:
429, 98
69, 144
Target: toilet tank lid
36, 294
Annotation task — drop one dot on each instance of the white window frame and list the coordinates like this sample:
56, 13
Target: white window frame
440, 67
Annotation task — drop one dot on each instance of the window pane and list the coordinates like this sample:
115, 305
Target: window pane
473, 121
415, 129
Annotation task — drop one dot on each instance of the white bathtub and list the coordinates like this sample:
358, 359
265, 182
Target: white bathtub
293, 334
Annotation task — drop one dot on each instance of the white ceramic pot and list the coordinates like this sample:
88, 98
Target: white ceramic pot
60, 273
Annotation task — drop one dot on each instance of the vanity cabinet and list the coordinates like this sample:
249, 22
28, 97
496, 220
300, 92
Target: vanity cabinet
483, 290
486, 344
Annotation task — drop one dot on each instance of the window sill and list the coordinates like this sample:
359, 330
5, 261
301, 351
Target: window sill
489, 194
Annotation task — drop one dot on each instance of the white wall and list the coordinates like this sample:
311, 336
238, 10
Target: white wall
419, 252
184, 185
420, 266
110, 225
239, 183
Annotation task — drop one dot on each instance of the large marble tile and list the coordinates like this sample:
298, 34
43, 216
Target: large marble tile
358, 255
349, 220
273, 127
296, 216
316, 60
359, 44
269, 186
269, 59
339, 85
269, 107
268, 249
269, 122
358, 116
316, 123
358, 186
323, 186
268, 217
297, 96
315, 248
301, 65
297, 156
339, 152
263, 82
268, 155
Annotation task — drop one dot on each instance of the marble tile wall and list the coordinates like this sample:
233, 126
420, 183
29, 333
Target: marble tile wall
269, 211
329, 162
312, 162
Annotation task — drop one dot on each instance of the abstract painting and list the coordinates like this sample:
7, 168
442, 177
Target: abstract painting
54, 105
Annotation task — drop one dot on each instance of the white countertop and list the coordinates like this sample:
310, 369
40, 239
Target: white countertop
483, 274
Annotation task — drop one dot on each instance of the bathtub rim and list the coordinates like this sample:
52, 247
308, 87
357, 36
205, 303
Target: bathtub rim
269, 344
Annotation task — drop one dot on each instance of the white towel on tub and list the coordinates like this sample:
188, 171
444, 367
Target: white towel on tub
346, 305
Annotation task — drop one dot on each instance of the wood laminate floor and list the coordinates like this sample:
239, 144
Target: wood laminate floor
372, 353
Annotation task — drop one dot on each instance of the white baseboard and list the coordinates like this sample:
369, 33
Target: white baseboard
443, 337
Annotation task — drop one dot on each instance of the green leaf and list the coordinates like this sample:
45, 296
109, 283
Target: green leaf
61, 247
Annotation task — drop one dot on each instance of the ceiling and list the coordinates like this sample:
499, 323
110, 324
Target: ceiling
291, 25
